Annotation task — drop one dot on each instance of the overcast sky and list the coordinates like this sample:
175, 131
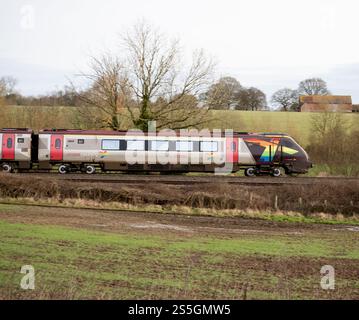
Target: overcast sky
269, 44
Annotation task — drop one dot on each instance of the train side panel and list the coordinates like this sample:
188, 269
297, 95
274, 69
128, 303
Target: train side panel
245, 156
22, 147
139, 150
105, 149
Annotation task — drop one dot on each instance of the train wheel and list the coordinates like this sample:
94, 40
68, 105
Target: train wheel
63, 169
276, 172
90, 169
250, 172
7, 167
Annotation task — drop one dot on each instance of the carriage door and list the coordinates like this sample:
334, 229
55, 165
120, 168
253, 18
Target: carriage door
8, 146
232, 150
56, 147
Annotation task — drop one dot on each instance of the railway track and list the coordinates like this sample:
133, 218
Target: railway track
185, 180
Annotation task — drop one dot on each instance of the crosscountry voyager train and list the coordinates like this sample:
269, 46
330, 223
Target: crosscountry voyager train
95, 151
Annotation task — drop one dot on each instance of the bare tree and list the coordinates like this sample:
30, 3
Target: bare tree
325, 123
313, 86
222, 94
108, 95
251, 99
7, 86
155, 71
147, 82
286, 99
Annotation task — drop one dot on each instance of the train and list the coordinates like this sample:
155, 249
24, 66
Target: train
91, 151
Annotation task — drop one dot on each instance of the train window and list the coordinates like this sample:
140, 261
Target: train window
81, 141
135, 145
20, 140
123, 144
9, 143
184, 145
285, 142
108, 144
209, 146
58, 144
233, 147
159, 145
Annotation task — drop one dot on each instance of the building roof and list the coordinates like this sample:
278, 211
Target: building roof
329, 99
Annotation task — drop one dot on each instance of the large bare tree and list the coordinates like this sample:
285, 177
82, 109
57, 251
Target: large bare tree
156, 70
147, 81
313, 86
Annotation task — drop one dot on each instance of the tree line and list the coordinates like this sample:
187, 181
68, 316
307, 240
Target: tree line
149, 79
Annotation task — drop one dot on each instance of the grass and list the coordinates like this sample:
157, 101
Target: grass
77, 263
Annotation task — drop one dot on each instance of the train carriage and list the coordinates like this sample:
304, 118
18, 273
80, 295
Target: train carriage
15, 149
256, 153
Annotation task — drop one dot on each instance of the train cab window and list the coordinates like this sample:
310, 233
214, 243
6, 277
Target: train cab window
58, 144
20, 140
135, 145
285, 142
9, 143
184, 146
159, 145
109, 144
80, 141
209, 146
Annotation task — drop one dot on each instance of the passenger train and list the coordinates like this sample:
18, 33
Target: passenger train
95, 151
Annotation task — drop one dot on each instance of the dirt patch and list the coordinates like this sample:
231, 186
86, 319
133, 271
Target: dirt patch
119, 221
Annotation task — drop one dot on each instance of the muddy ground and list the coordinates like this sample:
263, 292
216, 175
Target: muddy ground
254, 275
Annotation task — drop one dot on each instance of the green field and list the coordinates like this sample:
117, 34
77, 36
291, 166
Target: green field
83, 263
296, 124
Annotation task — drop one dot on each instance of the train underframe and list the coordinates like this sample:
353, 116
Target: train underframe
273, 169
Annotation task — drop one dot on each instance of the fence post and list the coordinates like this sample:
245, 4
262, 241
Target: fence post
276, 202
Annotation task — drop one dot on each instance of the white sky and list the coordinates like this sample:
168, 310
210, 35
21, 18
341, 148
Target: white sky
269, 44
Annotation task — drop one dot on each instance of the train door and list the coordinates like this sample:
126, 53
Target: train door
232, 150
8, 146
56, 147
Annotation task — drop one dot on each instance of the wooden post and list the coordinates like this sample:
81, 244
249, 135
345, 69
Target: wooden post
276, 202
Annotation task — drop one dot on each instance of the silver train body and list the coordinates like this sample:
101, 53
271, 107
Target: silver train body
88, 151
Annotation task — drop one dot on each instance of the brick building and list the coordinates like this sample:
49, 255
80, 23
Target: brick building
325, 103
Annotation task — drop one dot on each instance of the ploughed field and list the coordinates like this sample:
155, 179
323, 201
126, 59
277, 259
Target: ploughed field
88, 253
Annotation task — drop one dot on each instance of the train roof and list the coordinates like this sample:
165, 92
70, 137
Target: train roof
15, 130
134, 131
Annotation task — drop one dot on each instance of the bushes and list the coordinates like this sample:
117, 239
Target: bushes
328, 197
334, 147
